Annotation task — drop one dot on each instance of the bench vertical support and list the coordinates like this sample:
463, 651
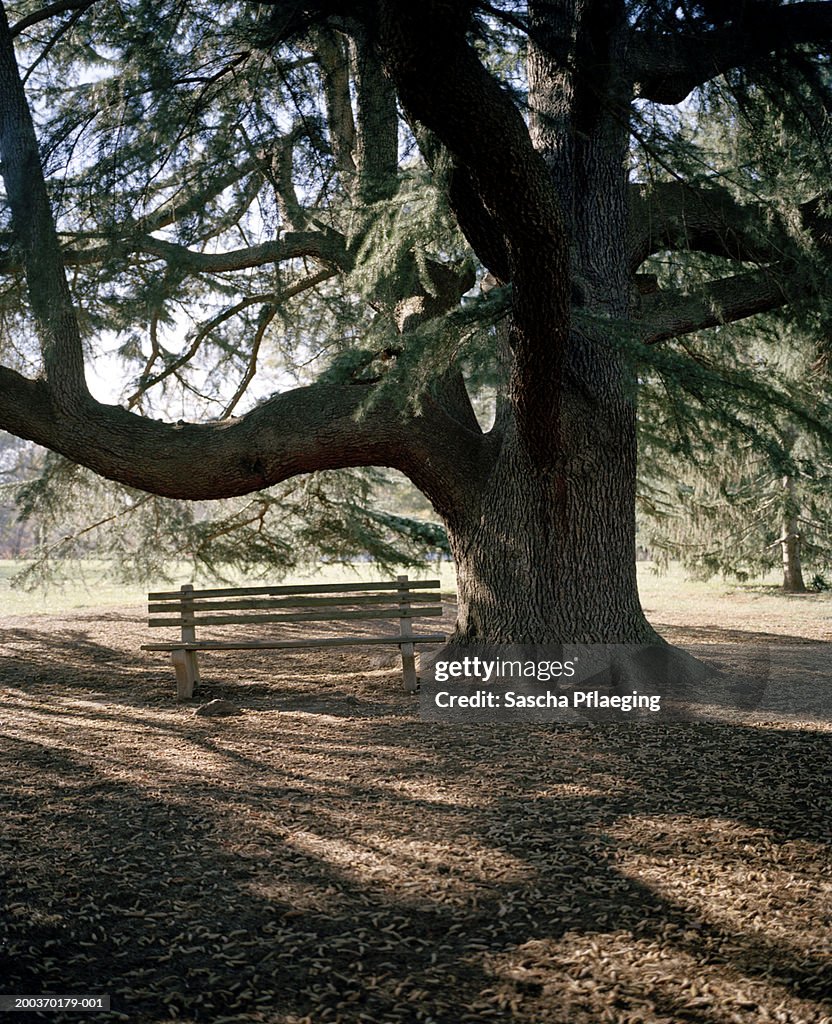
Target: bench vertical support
411, 682
185, 663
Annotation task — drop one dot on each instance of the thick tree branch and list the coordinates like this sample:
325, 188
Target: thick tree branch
483, 233
452, 394
667, 66
680, 217
443, 85
377, 122
326, 246
323, 426
49, 11
34, 233
331, 52
668, 315
675, 216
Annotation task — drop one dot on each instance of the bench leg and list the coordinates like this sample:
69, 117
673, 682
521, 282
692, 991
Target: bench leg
411, 683
187, 673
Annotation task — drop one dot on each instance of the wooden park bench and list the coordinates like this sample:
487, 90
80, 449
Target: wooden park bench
187, 608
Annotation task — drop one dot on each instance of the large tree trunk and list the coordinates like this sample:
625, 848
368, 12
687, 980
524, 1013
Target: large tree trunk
551, 556
545, 559
547, 555
549, 560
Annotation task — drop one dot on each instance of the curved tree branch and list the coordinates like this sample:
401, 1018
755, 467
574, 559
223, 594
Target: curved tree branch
327, 246
331, 52
667, 66
49, 11
322, 426
676, 216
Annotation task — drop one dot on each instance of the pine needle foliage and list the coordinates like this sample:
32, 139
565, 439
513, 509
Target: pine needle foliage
326, 517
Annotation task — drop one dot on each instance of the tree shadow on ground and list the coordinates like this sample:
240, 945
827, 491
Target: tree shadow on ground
104, 663
721, 634
286, 866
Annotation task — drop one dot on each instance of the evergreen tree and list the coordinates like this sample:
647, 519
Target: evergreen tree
321, 187
745, 497
737, 515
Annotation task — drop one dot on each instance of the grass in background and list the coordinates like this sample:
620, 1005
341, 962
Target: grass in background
669, 599
757, 605
96, 585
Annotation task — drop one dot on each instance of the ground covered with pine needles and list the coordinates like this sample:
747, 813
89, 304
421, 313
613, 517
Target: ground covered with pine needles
324, 856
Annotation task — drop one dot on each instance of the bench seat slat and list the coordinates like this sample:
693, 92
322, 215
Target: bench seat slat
279, 645
315, 588
204, 604
322, 616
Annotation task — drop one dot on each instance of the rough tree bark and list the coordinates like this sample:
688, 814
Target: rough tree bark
540, 510
793, 582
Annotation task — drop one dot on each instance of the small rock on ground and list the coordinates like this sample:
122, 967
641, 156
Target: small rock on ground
217, 708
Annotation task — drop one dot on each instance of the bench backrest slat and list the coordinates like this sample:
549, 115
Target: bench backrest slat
188, 608
207, 619
316, 588
263, 603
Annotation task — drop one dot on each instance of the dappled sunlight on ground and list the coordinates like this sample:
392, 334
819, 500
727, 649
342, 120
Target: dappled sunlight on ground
324, 856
